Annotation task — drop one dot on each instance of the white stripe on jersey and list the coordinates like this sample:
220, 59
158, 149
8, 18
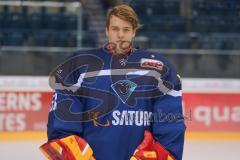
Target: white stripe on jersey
54, 102
175, 93
108, 72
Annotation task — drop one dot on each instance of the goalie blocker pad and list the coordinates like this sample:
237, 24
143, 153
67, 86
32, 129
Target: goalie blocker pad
68, 148
149, 149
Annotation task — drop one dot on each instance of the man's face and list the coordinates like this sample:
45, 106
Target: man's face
119, 31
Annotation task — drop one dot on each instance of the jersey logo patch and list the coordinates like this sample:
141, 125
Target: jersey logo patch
152, 63
124, 89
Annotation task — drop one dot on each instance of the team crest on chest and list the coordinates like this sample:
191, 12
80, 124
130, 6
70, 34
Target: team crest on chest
124, 89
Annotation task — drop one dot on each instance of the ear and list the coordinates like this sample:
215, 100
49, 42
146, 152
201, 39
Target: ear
106, 31
134, 33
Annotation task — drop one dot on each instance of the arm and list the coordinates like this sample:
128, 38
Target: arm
168, 125
169, 128
63, 130
65, 75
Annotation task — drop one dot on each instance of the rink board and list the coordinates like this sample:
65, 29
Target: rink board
211, 108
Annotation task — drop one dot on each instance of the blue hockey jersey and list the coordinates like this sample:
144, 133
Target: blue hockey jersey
110, 100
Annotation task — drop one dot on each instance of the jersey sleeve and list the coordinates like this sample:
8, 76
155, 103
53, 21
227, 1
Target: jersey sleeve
58, 127
168, 124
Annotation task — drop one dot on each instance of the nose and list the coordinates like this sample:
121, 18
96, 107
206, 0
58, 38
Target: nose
120, 34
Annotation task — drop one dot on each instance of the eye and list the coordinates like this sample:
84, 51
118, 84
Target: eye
114, 29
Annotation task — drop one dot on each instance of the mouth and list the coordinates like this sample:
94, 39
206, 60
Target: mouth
118, 41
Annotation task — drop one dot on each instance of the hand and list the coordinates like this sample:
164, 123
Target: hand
149, 149
68, 148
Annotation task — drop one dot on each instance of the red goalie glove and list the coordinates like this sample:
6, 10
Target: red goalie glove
68, 148
149, 149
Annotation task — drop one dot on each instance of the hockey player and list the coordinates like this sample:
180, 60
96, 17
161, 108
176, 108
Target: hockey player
116, 102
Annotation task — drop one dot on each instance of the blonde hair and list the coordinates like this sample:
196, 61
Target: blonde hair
124, 12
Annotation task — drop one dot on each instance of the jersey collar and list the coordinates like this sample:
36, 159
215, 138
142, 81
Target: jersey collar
110, 49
